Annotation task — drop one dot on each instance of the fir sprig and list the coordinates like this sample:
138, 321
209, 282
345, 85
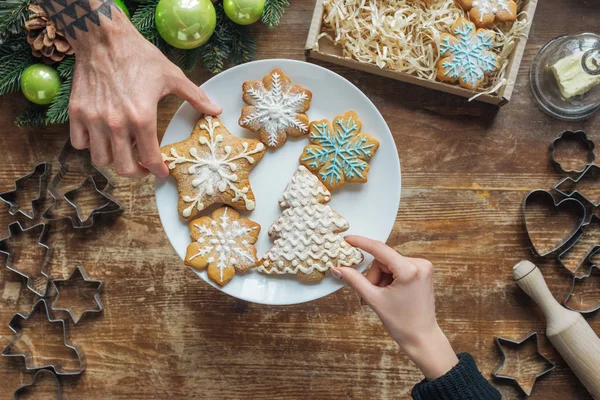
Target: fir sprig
144, 21
33, 116
274, 9
58, 112
11, 68
13, 14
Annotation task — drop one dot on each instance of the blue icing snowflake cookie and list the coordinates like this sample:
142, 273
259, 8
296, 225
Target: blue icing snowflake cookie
467, 55
339, 151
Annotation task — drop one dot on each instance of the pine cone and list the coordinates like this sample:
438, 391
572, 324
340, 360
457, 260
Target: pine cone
46, 42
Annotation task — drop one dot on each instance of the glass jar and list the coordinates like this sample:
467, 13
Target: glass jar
579, 57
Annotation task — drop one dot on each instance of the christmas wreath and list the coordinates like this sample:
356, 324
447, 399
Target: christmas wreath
29, 43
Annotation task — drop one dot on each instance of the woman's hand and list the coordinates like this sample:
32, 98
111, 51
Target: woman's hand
400, 291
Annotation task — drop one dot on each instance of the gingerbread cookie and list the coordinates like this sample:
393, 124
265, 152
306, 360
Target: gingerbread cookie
222, 244
307, 242
212, 166
340, 151
275, 108
485, 12
468, 55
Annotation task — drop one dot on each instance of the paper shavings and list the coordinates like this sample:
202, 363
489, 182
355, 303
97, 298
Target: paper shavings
402, 35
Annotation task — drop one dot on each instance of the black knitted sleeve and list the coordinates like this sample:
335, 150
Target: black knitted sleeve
463, 382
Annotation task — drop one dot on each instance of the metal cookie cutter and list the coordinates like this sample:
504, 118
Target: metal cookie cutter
100, 182
96, 285
10, 197
594, 272
573, 136
497, 372
576, 239
15, 326
38, 375
568, 186
13, 228
111, 206
545, 196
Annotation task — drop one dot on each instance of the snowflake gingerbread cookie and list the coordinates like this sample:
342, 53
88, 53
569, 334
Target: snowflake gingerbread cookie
212, 166
340, 151
467, 55
275, 108
307, 242
485, 12
222, 244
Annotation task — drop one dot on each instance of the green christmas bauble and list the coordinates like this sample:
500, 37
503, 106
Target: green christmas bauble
40, 83
123, 7
185, 24
244, 12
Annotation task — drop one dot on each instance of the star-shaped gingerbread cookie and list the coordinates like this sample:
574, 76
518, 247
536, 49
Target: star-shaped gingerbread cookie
212, 166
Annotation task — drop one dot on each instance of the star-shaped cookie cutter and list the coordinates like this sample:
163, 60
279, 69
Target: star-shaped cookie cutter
79, 271
22, 389
499, 342
13, 228
15, 326
10, 197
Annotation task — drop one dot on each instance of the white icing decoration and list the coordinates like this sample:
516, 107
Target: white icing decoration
214, 168
276, 109
487, 7
221, 240
307, 232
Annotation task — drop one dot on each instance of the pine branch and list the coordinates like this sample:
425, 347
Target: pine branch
217, 50
243, 46
144, 21
11, 68
32, 116
13, 14
274, 9
186, 59
58, 112
66, 67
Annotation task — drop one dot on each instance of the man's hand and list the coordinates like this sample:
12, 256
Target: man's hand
118, 80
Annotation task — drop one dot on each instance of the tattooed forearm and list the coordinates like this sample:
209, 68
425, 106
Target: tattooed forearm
72, 16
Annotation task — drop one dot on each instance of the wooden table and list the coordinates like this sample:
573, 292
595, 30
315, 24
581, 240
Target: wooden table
167, 335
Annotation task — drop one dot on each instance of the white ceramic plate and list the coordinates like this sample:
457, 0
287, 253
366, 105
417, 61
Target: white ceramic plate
369, 208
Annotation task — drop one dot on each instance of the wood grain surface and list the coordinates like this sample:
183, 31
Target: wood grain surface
466, 168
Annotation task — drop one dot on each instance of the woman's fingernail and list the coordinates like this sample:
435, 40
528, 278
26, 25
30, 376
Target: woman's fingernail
336, 273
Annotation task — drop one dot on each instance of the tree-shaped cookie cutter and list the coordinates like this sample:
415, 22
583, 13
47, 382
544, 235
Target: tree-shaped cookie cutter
500, 341
42, 170
37, 376
79, 271
573, 136
111, 207
15, 326
17, 227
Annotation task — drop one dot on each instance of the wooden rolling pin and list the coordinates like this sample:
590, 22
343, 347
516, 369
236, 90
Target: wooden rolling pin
568, 331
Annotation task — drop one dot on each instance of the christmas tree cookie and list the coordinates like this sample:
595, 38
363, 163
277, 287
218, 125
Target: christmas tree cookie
222, 244
307, 241
485, 12
339, 151
275, 108
467, 55
212, 166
